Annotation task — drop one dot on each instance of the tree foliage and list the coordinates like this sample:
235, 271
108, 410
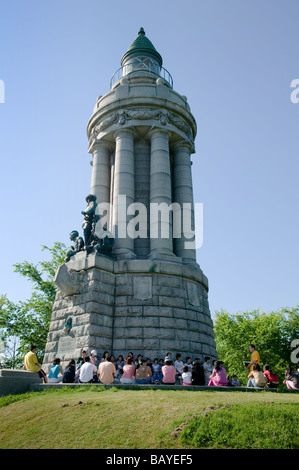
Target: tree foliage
29, 320
272, 333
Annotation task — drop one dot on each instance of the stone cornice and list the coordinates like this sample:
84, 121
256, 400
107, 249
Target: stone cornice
182, 144
143, 96
128, 117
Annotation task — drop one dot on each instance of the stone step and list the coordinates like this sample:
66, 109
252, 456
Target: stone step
193, 388
13, 381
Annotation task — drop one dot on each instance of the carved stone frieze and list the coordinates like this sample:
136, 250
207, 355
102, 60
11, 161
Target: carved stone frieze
123, 116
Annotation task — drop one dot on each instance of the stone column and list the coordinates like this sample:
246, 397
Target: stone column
112, 163
142, 150
183, 194
100, 178
123, 192
160, 193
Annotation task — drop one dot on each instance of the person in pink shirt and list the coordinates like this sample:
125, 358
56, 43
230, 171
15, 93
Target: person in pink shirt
218, 377
168, 371
128, 372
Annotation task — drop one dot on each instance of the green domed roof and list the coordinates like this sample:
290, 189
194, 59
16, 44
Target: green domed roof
141, 46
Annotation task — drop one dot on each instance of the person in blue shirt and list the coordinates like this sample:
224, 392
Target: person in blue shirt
55, 370
157, 371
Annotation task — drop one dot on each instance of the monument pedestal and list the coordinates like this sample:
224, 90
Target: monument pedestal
145, 306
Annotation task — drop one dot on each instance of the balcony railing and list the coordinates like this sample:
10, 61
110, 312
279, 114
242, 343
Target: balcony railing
131, 67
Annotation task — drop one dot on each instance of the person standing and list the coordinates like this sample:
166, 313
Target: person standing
255, 357
32, 365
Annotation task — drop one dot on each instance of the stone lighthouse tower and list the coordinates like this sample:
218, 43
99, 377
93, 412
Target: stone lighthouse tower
145, 293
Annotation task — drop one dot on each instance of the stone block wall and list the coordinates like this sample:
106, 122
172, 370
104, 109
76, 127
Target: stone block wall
13, 381
138, 305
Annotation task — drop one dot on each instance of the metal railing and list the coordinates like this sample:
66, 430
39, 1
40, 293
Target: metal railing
131, 67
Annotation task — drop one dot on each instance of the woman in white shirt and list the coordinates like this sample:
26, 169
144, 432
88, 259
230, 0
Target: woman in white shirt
186, 376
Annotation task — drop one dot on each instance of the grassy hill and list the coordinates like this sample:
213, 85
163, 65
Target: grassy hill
99, 418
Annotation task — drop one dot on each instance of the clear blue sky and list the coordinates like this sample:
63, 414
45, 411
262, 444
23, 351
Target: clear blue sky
233, 59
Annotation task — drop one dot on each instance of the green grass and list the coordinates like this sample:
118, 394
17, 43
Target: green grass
95, 417
250, 426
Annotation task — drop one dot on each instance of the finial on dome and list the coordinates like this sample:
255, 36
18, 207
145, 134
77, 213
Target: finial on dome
141, 47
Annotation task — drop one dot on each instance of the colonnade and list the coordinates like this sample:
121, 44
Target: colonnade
170, 185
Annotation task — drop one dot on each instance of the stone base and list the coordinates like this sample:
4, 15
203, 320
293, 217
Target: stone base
186, 388
13, 381
145, 306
